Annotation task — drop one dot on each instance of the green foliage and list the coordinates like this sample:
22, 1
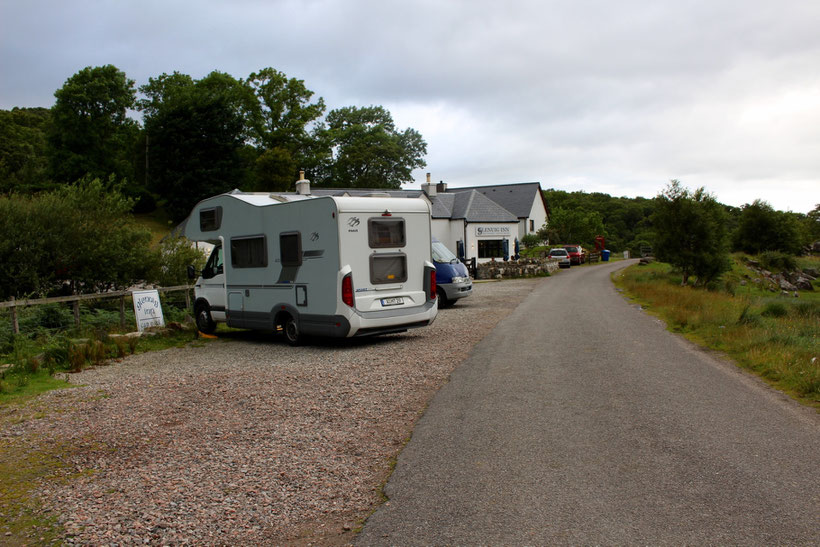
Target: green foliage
173, 256
529, 241
626, 221
196, 130
775, 309
281, 125
368, 150
23, 149
777, 262
90, 133
761, 228
690, 233
572, 226
81, 235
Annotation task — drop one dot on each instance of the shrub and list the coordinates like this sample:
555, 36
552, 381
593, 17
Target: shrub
775, 261
775, 309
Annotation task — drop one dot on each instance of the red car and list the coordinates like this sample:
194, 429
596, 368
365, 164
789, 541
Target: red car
576, 253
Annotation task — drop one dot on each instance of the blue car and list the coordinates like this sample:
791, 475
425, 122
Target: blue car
452, 278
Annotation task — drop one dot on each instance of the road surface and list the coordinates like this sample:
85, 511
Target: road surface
581, 420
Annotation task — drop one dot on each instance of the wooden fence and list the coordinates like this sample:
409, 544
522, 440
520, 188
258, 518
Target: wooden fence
77, 298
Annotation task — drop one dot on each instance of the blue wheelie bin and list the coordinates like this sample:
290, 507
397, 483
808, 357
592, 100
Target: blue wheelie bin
605, 255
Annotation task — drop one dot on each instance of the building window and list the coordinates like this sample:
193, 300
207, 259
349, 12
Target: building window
490, 248
385, 233
290, 249
249, 252
532, 225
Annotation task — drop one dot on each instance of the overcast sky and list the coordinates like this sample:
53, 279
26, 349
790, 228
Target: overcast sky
599, 96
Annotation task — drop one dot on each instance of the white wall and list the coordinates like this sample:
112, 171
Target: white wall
490, 231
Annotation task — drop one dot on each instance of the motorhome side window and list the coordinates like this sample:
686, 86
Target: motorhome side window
290, 249
210, 219
388, 268
249, 252
385, 232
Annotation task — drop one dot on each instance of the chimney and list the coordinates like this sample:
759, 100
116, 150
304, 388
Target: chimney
302, 185
428, 187
441, 187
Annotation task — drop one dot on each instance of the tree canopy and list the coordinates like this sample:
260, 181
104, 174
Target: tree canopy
690, 232
91, 133
195, 135
368, 151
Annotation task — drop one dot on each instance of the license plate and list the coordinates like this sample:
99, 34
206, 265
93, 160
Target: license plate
392, 301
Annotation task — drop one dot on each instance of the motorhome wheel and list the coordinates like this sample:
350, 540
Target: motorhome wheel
204, 322
292, 333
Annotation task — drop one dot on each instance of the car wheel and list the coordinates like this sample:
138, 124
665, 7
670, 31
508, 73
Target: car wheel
292, 334
443, 301
204, 321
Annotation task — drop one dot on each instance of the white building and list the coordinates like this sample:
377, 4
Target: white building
482, 222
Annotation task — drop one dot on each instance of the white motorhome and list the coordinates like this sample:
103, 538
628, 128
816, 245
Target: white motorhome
305, 265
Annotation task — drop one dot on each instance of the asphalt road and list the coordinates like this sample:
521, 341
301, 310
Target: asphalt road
581, 420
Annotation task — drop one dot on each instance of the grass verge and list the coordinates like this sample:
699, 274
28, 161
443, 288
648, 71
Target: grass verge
776, 337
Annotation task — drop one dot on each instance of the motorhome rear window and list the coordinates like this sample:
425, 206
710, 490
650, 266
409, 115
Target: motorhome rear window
385, 232
249, 252
388, 268
290, 249
210, 219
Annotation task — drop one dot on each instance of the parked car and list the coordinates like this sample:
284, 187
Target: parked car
576, 253
562, 256
452, 278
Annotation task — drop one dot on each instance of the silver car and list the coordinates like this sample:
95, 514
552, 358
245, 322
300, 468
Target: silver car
562, 256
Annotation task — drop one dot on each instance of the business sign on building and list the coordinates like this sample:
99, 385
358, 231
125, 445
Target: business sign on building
147, 309
492, 231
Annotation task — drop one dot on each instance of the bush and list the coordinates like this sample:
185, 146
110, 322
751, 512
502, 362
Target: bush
775, 309
775, 261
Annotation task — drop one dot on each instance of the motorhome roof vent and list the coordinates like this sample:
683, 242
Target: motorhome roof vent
376, 195
302, 185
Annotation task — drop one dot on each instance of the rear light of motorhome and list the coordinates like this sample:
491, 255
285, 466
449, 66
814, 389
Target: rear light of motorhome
347, 290
432, 295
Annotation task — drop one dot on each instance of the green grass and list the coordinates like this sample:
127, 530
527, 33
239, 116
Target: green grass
776, 337
20, 386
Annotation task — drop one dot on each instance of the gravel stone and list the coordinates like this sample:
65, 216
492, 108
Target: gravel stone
249, 441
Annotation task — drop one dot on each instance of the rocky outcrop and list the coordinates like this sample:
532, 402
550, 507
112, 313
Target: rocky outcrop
788, 282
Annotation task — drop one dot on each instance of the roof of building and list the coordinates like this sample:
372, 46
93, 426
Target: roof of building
516, 198
499, 203
474, 207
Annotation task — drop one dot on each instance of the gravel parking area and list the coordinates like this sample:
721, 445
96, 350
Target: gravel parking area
248, 441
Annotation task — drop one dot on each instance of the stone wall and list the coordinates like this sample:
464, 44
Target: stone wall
524, 267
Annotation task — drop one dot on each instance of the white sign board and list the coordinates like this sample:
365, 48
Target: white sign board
147, 309
484, 231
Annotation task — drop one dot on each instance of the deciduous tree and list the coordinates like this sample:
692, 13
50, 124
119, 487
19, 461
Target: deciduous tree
690, 233
368, 151
91, 133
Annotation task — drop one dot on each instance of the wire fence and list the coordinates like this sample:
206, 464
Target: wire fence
102, 312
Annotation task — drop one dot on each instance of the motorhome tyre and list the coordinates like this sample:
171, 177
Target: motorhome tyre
204, 321
292, 334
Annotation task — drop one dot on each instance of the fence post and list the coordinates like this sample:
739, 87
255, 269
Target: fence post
14, 323
187, 299
77, 313
122, 312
